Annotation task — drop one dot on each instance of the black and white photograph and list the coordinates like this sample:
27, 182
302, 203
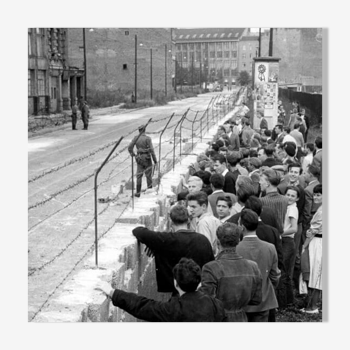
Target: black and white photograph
172, 173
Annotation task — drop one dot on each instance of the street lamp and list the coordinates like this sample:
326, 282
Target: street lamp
85, 72
135, 68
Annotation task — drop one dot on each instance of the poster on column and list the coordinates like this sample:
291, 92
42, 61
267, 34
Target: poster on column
265, 91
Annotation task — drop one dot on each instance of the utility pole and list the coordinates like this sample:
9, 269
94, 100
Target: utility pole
259, 55
192, 71
135, 68
166, 56
271, 41
200, 75
85, 75
151, 76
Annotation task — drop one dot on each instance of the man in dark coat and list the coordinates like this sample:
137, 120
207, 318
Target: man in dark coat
85, 113
265, 255
74, 116
169, 247
145, 151
230, 278
189, 306
220, 167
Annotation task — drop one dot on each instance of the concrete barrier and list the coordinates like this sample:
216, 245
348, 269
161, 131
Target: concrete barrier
122, 260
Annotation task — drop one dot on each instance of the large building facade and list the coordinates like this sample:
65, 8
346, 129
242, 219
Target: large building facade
52, 84
111, 54
211, 54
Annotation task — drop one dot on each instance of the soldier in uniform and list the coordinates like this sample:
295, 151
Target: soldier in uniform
145, 150
85, 112
74, 116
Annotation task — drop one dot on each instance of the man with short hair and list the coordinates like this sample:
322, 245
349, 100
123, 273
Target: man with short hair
317, 160
279, 134
217, 184
307, 160
262, 154
247, 135
287, 137
202, 221
236, 281
189, 306
220, 167
265, 255
254, 165
223, 208
299, 138
270, 158
145, 151
306, 120
169, 247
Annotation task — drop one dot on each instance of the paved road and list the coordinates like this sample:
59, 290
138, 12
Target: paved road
61, 182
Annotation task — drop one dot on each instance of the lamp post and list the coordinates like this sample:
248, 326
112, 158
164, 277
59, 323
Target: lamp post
135, 68
165, 80
271, 42
151, 88
85, 80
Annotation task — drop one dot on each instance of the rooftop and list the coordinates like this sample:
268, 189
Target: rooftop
207, 34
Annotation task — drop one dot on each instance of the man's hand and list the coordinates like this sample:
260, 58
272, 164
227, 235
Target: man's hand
105, 288
149, 252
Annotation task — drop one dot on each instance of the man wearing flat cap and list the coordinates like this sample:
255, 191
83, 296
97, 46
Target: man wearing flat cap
145, 151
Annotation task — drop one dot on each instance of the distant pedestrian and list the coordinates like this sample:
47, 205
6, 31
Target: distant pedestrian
74, 116
85, 114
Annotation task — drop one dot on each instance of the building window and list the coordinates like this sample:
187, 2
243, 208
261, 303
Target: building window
226, 72
243, 64
41, 83
234, 64
219, 54
53, 92
184, 47
218, 46
198, 46
30, 43
234, 54
226, 45
234, 45
243, 48
243, 55
198, 56
125, 66
30, 82
212, 54
126, 32
191, 47
227, 54
39, 43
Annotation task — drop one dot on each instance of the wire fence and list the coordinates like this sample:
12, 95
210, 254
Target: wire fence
203, 119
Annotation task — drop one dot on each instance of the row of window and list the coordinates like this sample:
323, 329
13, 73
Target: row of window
198, 56
219, 46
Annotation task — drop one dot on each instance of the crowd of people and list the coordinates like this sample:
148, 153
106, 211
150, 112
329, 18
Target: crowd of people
245, 233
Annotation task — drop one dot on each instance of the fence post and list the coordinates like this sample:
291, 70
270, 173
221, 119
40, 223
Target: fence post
184, 117
160, 148
192, 127
132, 168
174, 140
95, 187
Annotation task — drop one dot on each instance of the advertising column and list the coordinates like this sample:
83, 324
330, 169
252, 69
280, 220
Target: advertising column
265, 94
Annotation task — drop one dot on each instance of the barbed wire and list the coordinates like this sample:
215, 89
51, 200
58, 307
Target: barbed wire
75, 160
78, 262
